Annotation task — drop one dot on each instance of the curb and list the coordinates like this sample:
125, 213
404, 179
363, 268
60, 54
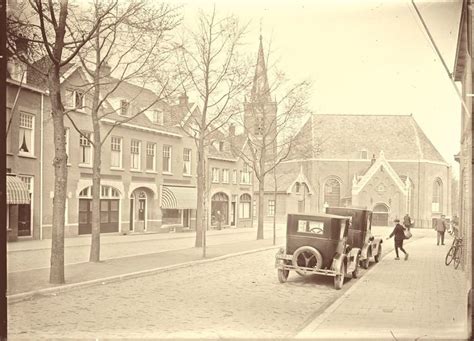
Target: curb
308, 331
11, 299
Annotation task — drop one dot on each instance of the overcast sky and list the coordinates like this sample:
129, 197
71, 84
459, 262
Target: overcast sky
363, 57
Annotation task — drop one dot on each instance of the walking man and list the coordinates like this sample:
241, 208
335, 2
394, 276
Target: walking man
441, 226
407, 221
399, 233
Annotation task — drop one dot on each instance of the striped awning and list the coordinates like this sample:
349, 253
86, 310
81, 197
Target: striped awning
175, 197
17, 191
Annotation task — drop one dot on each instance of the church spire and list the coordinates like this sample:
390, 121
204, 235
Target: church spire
260, 89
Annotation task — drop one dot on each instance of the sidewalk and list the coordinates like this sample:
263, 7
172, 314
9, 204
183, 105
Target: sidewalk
417, 299
25, 284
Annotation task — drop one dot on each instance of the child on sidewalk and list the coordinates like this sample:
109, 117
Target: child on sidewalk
399, 233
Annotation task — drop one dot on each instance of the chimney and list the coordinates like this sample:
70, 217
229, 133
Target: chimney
231, 130
183, 100
373, 159
105, 69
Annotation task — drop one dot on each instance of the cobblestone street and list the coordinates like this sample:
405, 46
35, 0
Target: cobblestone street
236, 297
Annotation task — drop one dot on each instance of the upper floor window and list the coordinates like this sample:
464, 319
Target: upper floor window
156, 116
26, 134
225, 176
16, 70
364, 154
85, 148
135, 149
167, 159
245, 175
215, 175
116, 152
297, 187
124, 106
150, 156
234, 176
187, 161
221, 146
75, 99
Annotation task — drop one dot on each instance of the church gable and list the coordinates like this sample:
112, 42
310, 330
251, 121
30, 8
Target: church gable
380, 177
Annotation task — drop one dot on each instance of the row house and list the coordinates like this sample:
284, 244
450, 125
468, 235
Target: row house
463, 73
230, 186
148, 164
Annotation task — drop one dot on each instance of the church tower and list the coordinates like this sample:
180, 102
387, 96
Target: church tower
260, 111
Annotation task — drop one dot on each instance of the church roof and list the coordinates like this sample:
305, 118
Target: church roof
260, 88
345, 136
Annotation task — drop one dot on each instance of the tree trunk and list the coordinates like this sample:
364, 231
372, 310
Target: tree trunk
95, 234
201, 190
275, 204
56, 275
96, 162
261, 195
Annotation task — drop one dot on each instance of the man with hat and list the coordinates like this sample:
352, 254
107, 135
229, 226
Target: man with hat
399, 233
441, 226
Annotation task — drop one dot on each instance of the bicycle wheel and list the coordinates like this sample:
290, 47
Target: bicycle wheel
457, 257
450, 255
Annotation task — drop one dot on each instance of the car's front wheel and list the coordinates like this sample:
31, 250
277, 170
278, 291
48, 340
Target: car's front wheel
365, 263
283, 275
339, 279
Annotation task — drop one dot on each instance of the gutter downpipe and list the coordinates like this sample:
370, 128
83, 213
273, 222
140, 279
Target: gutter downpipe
41, 166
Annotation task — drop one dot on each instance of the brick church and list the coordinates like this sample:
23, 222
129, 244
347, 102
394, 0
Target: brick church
381, 162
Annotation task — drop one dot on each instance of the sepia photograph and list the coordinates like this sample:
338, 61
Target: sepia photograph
236, 170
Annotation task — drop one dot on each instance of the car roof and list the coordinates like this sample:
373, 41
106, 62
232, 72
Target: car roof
319, 215
351, 208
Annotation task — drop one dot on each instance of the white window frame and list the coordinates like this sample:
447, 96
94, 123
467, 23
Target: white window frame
89, 145
71, 99
245, 207
167, 153
30, 184
124, 105
150, 151
225, 176
271, 208
215, 175
234, 176
187, 161
116, 142
26, 124
135, 144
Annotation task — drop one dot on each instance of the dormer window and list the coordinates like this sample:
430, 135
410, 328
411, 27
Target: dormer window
124, 105
16, 70
364, 154
75, 99
155, 116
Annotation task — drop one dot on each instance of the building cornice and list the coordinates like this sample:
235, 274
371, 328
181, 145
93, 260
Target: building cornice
137, 127
368, 161
26, 86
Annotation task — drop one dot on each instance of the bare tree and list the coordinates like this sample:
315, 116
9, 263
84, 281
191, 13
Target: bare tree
134, 45
214, 72
270, 125
44, 41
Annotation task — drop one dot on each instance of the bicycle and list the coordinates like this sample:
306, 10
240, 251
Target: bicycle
455, 253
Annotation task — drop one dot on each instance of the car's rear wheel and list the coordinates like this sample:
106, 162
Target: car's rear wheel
307, 257
283, 275
339, 279
378, 256
365, 263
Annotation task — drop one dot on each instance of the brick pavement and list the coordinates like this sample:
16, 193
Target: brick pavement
397, 300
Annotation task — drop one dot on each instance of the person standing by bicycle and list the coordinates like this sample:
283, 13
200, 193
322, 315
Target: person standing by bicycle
441, 227
399, 233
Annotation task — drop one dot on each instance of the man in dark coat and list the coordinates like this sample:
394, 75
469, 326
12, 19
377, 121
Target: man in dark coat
399, 233
407, 221
441, 226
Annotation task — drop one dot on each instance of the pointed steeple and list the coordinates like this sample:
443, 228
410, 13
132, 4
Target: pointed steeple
260, 89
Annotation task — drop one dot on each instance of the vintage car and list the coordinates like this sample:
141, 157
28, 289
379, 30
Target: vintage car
317, 244
360, 233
